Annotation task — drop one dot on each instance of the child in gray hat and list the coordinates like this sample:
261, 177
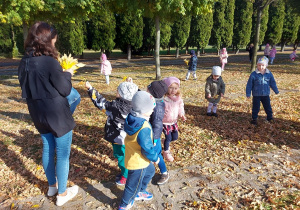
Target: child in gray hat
139, 150
116, 111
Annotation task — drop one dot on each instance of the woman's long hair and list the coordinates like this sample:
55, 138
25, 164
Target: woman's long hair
39, 40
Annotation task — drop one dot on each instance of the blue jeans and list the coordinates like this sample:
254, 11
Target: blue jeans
172, 136
62, 146
161, 164
265, 100
73, 99
137, 181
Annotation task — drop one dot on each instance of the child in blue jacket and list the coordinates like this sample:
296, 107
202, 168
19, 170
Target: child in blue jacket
259, 83
139, 150
192, 65
158, 89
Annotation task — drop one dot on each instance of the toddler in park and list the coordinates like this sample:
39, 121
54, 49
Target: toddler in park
116, 111
192, 65
223, 58
214, 90
158, 89
105, 68
174, 108
267, 51
272, 54
293, 55
140, 151
259, 84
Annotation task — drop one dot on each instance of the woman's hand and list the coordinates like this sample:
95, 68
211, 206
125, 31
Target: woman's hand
70, 71
88, 85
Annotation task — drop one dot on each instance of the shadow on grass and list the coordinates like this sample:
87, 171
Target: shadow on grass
235, 126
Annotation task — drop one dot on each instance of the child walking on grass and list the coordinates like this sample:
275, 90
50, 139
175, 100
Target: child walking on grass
214, 90
192, 65
105, 68
116, 111
223, 58
158, 89
140, 151
174, 108
259, 84
272, 54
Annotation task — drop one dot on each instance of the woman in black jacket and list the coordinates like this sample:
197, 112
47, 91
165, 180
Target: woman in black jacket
45, 87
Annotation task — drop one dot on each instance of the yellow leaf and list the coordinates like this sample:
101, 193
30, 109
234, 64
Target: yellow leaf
35, 206
12, 206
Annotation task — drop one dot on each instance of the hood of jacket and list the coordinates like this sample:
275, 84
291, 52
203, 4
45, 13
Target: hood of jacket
133, 124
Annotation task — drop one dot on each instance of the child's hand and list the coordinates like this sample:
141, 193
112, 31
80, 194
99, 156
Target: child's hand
183, 118
88, 85
209, 96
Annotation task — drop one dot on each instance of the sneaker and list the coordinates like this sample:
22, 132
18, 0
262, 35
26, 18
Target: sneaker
145, 196
118, 177
168, 156
121, 181
253, 122
71, 193
214, 114
208, 114
128, 206
52, 191
163, 179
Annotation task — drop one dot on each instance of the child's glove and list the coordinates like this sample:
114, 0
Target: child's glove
88, 85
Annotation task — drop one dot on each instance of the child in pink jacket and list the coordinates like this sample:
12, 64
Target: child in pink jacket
223, 58
174, 108
105, 68
272, 54
293, 55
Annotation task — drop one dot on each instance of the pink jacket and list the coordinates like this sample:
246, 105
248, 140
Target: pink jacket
174, 107
273, 53
106, 67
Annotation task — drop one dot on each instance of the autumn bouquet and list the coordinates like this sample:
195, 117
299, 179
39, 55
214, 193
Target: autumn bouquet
186, 61
67, 63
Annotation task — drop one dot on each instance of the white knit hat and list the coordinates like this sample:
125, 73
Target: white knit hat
263, 60
127, 90
216, 70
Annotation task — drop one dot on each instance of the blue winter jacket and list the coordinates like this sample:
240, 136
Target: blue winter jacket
132, 125
260, 84
193, 63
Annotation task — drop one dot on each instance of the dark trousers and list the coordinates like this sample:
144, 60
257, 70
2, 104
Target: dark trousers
172, 136
266, 102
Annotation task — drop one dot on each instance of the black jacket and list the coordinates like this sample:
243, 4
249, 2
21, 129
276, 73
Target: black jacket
116, 111
45, 86
156, 118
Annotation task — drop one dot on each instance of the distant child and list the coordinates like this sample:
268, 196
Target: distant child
214, 90
139, 150
192, 65
267, 50
174, 108
158, 89
259, 84
272, 54
116, 111
293, 55
105, 68
223, 58
250, 49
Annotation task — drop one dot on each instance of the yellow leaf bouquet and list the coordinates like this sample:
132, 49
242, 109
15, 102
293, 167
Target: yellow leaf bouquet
186, 61
68, 62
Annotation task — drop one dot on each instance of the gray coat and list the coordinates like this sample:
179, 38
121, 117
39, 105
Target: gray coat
214, 88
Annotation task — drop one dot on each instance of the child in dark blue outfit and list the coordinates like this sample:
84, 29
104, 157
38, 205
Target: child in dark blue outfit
158, 89
259, 83
192, 66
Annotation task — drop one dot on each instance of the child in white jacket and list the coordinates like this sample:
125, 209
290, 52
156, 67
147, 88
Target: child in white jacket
105, 68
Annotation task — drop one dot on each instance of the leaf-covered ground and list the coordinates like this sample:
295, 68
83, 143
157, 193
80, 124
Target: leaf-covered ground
205, 141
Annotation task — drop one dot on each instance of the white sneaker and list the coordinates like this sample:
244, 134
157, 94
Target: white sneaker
71, 193
52, 191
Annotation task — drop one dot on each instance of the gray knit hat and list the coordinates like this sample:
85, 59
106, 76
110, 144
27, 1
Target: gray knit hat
127, 90
143, 102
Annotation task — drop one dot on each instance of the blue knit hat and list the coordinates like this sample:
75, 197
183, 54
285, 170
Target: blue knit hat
192, 52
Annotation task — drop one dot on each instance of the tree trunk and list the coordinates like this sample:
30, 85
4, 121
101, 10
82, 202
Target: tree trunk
157, 46
282, 46
129, 52
203, 52
186, 49
198, 51
82, 56
237, 51
169, 50
256, 38
177, 52
25, 31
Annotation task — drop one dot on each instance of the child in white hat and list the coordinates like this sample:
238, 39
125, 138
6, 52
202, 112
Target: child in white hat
214, 90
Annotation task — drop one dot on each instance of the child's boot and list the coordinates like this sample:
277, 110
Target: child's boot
168, 156
253, 122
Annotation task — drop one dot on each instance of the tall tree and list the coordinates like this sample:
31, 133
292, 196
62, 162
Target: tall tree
263, 24
200, 32
228, 23
180, 32
290, 27
162, 10
297, 41
129, 31
148, 35
275, 23
165, 33
242, 23
6, 42
260, 6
